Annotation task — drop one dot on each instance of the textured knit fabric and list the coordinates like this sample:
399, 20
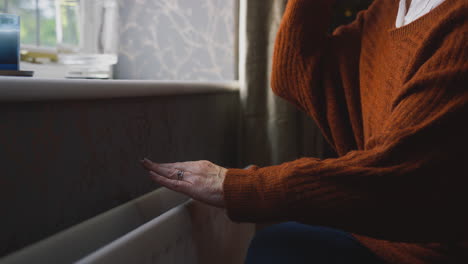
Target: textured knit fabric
393, 102
417, 9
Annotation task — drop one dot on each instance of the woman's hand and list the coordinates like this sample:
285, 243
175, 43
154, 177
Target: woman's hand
201, 180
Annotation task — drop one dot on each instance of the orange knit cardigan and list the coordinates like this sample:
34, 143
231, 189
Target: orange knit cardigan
393, 102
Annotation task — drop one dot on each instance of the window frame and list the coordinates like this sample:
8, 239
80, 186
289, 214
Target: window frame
37, 14
5, 6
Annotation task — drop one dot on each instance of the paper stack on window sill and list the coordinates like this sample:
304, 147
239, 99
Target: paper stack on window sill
45, 70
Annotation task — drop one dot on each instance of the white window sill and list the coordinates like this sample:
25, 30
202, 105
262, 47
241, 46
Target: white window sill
14, 89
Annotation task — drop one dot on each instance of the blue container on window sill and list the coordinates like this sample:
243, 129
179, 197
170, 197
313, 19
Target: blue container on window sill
10, 46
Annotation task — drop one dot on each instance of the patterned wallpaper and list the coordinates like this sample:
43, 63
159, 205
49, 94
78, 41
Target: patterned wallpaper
177, 40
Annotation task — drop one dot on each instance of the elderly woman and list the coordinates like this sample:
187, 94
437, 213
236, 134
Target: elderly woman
390, 94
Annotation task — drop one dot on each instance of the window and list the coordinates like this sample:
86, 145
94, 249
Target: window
159, 39
37, 20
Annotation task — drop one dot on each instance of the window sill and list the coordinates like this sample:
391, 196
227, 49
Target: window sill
14, 89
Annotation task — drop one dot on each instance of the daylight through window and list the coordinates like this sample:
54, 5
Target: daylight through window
37, 20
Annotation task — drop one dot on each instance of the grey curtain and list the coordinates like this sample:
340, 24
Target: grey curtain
273, 131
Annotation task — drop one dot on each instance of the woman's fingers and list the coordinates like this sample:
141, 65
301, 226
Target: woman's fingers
188, 165
181, 165
175, 185
148, 164
169, 170
153, 166
166, 171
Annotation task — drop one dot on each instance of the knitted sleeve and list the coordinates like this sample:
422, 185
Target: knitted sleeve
413, 175
327, 65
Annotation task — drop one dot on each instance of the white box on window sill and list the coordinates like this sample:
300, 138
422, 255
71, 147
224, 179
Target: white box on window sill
47, 70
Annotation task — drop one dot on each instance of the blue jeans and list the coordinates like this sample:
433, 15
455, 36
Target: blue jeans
298, 243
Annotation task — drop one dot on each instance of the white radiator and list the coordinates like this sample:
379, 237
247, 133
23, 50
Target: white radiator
146, 231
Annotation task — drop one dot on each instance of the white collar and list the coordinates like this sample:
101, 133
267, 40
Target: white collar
417, 9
